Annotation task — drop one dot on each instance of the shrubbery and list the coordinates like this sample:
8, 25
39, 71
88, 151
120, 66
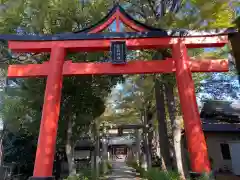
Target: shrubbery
109, 166
84, 174
77, 177
87, 174
157, 173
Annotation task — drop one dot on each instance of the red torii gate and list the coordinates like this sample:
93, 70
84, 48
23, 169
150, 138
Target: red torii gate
91, 39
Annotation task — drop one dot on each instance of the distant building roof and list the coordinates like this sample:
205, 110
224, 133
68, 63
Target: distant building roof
224, 111
121, 140
221, 127
220, 116
84, 144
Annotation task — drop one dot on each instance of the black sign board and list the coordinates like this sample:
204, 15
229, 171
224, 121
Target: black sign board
118, 52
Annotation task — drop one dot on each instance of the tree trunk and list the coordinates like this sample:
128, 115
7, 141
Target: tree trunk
70, 149
138, 145
176, 129
57, 166
234, 39
96, 150
145, 141
1, 146
151, 138
162, 126
155, 149
156, 137
105, 150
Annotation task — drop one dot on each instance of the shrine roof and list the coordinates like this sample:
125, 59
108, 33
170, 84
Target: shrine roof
221, 110
132, 29
226, 128
113, 35
119, 13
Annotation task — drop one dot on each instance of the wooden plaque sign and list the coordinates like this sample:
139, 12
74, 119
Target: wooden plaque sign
118, 52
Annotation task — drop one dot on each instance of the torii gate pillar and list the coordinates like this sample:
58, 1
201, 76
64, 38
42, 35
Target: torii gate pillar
196, 143
50, 114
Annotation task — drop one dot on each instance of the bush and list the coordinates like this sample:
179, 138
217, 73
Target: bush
77, 177
83, 174
109, 166
207, 177
137, 167
133, 164
155, 174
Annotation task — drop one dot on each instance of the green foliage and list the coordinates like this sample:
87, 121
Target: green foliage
77, 177
190, 14
155, 174
20, 149
206, 177
237, 22
137, 167
109, 166
51, 16
129, 100
214, 14
82, 97
84, 174
193, 14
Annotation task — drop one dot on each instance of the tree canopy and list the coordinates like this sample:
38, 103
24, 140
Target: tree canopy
83, 97
193, 15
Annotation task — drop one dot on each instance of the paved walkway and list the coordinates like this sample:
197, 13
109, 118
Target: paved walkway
120, 171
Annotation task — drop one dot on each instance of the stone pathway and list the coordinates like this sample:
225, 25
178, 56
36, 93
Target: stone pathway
120, 171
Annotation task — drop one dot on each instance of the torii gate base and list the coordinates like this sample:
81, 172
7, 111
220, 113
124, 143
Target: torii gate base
56, 68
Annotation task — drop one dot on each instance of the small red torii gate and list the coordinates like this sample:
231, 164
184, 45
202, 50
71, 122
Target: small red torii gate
92, 39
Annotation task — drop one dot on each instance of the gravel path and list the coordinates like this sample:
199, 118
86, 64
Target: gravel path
120, 171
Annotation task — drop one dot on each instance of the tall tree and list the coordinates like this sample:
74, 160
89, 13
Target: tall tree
82, 97
192, 14
19, 148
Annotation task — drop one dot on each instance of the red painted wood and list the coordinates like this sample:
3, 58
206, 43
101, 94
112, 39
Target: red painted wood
104, 25
104, 45
131, 24
192, 124
134, 67
29, 70
118, 16
49, 122
117, 24
218, 65
143, 67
